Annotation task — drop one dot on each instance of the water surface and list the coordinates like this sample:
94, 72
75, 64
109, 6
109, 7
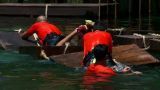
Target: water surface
23, 72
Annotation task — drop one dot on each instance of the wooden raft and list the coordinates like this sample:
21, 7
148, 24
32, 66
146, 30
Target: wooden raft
49, 50
133, 55
127, 54
12, 40
133, 39
155, 45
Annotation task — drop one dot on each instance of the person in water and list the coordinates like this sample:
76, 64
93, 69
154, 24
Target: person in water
93, 36
48, 34
98, 71
100, 53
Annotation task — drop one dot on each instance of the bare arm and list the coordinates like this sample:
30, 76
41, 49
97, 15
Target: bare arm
67, 38
81, 28
23, 35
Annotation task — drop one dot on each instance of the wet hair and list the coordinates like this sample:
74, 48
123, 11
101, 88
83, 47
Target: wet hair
41, 18
100, 26
100, 51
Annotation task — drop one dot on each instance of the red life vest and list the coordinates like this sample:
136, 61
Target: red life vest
99, 69
98, 73
42, 29
91, 39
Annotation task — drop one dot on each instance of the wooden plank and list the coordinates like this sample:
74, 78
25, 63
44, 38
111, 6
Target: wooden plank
49, 50
154, 46
69, 60
55, 4
133, 39
59, 9
133, 55
127, 54
12, 40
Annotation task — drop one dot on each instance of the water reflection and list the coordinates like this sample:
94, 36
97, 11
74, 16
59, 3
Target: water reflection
91, 82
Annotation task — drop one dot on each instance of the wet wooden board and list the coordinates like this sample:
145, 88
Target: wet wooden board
127, 54
155, 45
69, 60
133, 55
12, 40
132, 39
49, 50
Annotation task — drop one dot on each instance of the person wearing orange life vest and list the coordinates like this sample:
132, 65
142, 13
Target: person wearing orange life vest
91, 39
100, 36
98, 71
48, 34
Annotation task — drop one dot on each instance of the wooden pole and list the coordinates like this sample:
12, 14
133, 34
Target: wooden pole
115, 14
140, 19
46, 10
129, 12
99, 11
149, 12
107, 14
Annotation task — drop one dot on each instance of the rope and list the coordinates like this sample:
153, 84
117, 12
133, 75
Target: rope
43, 54
36, 38
153, 34
143, 40
18, 30
118, 29
156, 35
66, 47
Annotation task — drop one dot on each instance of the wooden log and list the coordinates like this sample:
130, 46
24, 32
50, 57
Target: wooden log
127, 54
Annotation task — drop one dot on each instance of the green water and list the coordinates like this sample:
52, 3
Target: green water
22, 72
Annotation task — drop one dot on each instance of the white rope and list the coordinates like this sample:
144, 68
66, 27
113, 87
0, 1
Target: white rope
143, 40
154, 34
118, 29
18, 30
36, 38
66, 47
43, 54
